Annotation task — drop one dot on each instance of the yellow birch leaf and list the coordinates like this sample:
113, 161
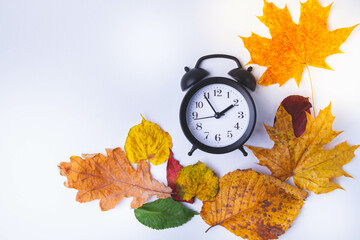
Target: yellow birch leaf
253, 206
197, 180
147, 141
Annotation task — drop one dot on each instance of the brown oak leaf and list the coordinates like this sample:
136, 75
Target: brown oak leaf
253, 206
110, 179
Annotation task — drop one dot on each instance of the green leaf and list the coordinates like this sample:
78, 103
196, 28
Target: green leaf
163, 213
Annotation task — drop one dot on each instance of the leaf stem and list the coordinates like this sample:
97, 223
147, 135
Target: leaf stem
209, 228
312, 91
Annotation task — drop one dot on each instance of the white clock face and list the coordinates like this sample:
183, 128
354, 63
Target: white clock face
217, 115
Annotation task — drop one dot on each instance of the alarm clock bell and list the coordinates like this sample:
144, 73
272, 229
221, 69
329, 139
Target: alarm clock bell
194, 75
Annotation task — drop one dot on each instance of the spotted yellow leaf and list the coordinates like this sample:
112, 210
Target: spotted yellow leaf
147, 141
253, 205
197, 180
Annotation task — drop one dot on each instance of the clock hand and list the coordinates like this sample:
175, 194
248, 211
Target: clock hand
226, 109
218, 115
204, 117
209, 103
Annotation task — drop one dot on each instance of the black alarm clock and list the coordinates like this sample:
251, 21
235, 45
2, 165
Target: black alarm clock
217, 114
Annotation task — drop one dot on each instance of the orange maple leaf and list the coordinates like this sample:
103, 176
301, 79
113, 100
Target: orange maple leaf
253, 205
294, 46
304, 157
110, 179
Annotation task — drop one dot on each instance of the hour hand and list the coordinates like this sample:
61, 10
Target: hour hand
226, 109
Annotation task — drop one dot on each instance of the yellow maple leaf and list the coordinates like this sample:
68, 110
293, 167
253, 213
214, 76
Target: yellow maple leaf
304, 157
110, 179
148, 141
253, 206
197, 180
293, 46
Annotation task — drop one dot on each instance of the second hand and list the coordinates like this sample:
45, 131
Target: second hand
204, 117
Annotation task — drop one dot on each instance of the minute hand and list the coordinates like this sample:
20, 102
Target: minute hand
226, 109
210, 104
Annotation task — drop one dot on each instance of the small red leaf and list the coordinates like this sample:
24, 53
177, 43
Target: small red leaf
172, 171
296, 106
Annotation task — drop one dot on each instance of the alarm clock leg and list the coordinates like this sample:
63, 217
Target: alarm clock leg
192, 150
241, 148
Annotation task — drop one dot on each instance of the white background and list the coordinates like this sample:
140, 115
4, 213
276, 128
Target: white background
75, 75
